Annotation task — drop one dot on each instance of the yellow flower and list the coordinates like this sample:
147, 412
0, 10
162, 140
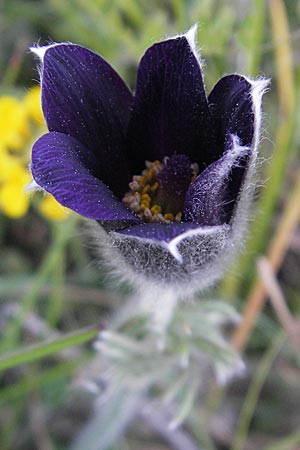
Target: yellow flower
14, 128
51, 209
7, 164
14, 201
20, 123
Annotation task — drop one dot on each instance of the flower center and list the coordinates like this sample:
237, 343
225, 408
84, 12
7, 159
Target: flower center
158, 194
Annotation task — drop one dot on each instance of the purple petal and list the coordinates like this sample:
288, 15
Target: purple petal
211, 198
170, 113
158, 231
231, 105
60, 165
83, 97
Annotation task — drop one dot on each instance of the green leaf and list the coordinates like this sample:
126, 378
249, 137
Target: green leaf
35, 352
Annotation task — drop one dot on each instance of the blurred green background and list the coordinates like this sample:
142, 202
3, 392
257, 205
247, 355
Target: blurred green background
51, 287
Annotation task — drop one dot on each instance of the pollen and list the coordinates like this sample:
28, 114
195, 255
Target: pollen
169, 216
147, 195
155, 209
154, 187
146, 189
146, 198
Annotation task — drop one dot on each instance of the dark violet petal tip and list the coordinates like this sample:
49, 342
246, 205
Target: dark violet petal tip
231, 106
83, 97
60, 165
170, 113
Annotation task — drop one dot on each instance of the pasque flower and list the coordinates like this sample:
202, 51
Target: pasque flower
166, 171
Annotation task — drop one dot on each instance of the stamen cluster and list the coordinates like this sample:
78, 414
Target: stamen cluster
144, 199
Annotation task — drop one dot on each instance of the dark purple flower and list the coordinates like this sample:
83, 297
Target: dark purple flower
165, 171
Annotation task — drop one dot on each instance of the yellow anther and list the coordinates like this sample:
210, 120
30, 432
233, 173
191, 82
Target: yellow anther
156, 209
144, 206
146, 189
169, 216
154, 187
145, 197
178, 217
150, 174
142, 180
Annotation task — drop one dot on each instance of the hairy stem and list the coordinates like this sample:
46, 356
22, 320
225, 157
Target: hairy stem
159, 423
